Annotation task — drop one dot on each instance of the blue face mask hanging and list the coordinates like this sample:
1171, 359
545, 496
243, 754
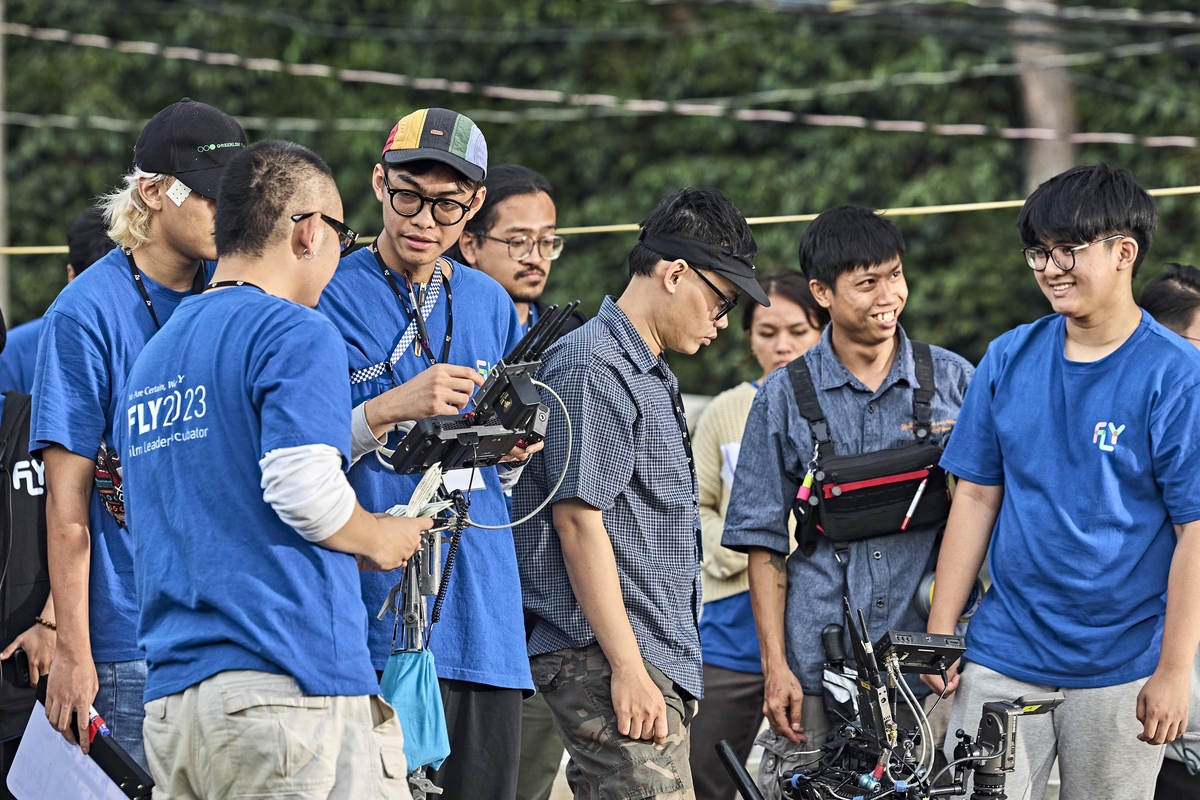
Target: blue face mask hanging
410, 685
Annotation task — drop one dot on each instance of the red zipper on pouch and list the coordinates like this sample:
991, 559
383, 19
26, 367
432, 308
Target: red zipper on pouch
872, 482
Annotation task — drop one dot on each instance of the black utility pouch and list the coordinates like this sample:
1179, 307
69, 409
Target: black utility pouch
862, 496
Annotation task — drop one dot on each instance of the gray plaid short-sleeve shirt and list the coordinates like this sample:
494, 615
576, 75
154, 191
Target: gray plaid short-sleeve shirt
630, 460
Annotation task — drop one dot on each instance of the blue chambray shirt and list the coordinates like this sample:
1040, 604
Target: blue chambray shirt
629, 460
884, 572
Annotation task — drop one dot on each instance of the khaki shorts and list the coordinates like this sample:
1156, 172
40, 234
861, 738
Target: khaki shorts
254, 734
604, 764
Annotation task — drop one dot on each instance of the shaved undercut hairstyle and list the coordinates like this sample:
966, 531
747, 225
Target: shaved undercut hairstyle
261, 188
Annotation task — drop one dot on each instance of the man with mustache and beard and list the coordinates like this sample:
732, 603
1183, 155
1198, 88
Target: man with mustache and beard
512, 239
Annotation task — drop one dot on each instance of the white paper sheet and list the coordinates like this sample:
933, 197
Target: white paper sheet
461, 479
46, 767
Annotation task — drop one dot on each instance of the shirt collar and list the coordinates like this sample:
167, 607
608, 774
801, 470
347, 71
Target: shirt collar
833, 373
626, 335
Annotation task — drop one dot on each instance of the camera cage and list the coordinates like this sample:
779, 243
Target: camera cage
872, 757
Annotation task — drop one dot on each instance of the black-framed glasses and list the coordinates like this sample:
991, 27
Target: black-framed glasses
727, 305
408, 203
519, 247
1038, 258
346, 235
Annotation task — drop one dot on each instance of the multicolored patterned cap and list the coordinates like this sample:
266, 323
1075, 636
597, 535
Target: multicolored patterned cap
438, 134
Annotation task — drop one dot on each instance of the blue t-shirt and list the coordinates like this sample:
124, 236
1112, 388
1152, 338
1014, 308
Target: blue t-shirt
728, 638
1097, 460
223, 583
19, 359
481, 635
90, 337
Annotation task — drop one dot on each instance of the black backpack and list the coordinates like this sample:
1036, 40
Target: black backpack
870, 494
24, 574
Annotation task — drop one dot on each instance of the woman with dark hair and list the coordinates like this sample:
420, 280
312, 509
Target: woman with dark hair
733, 680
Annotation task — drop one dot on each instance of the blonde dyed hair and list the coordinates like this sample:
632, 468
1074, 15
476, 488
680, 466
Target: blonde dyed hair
125, 213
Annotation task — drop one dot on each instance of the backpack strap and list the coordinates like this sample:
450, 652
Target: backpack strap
810, 407
922, 393
16, 410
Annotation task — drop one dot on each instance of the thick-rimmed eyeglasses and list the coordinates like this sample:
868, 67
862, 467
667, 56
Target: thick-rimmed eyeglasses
408, 203
346, 235
727, 305
519, 247
1038, 258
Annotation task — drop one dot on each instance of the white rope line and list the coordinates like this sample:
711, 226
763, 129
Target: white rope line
573, 115
711, 107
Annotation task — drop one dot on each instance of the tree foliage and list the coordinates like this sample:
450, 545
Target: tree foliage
968, 282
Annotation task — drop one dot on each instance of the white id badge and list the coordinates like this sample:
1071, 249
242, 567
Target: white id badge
461, 479
178, 192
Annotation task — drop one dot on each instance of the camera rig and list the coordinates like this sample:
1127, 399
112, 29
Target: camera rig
507, 410
871, 756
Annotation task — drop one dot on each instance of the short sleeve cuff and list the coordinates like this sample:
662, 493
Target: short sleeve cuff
966, 473
742, 541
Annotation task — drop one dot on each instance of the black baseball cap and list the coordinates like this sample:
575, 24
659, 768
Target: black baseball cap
191, 141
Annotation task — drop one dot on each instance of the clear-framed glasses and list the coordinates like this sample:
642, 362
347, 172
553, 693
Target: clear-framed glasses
519, 247
408, 203
346, 235
1064, 255
727, 305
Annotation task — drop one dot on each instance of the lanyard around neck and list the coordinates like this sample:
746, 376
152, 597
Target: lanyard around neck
223, 284
197, 286
414, 315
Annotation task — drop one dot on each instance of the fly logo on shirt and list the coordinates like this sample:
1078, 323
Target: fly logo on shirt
27, 472
482, 367
1105, 434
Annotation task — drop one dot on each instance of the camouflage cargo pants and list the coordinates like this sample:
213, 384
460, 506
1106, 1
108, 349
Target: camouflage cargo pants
604, 764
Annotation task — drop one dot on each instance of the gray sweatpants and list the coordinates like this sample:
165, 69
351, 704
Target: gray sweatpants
1093, 734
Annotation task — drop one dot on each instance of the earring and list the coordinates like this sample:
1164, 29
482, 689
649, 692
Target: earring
307, 255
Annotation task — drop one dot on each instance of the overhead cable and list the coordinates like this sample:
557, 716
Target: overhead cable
714, 107
575, 115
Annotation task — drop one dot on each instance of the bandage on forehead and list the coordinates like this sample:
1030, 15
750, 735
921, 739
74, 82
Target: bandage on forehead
178, 192
697, 254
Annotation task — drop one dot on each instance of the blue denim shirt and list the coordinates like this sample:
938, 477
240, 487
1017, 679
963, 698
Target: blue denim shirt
884, 572
628, 459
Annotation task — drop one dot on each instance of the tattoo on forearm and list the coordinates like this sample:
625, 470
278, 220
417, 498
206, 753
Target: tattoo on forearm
779, 563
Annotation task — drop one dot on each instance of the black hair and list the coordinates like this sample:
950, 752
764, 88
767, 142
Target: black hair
87, 239
706, 215
424, 166
847, 238
502, 182
1174, 296
1085, 204
791, 284
257, 191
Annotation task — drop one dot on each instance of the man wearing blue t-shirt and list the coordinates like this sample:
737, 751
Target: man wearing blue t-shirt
87, 242
406, 367
162, 221
1076, 450
235, 430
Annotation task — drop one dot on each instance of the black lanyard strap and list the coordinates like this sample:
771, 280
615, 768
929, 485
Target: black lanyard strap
223, 284
414, 315
197, 285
